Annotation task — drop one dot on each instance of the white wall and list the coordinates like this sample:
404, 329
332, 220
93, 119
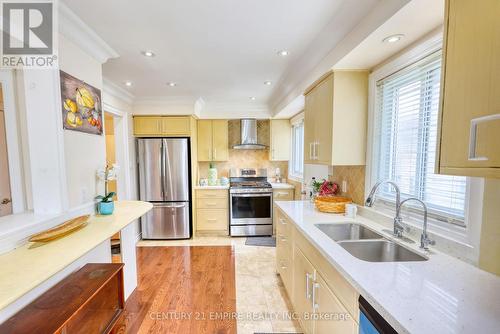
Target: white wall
84, 153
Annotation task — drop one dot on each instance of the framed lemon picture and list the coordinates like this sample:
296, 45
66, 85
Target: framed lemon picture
81, 105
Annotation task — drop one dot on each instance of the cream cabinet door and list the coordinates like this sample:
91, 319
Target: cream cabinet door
303, 278
205, 140
331, 315
147, 126
220, 140
309, 127
471, 86
176, 126
280, 140
323, 121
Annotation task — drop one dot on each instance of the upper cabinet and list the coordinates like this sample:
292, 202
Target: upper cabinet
213, 139
470, 108
335, 119
161, 126
280, 140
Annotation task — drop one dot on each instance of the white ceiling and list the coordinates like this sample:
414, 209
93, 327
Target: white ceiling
414, 20
221, 51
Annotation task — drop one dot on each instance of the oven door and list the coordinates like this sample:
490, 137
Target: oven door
255, 209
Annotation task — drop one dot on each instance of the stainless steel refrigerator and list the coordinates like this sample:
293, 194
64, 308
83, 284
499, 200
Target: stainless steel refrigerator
164, 174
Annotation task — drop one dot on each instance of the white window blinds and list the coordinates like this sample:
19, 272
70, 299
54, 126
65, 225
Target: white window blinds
297, 161
406, 116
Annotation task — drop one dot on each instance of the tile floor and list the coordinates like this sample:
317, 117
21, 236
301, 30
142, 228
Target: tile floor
261, 301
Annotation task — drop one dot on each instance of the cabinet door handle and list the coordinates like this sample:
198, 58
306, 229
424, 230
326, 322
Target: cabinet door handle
473, 135
215, 154
310, 151
282, 238
315, 288
282, 221
211, 220
308, 293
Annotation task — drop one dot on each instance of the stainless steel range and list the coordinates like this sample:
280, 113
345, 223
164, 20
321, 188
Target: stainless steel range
251, 205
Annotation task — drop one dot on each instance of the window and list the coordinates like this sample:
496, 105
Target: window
405, 133
297, 161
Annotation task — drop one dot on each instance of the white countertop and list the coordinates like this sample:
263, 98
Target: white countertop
441, 295
24, 268
212, 187
281, 185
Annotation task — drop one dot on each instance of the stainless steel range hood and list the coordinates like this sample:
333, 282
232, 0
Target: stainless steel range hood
249, 136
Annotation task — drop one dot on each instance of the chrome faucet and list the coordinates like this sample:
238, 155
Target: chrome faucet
370, 200
424, 238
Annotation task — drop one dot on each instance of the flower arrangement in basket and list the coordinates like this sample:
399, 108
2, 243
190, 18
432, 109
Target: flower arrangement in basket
326, 199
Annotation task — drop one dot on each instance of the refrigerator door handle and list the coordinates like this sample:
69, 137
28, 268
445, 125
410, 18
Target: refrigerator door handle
162, 178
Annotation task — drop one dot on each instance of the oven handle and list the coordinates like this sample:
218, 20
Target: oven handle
252, 195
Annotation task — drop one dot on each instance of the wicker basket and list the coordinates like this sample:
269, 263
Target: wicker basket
331, 204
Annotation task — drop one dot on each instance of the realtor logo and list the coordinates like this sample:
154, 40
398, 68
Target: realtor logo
28, 34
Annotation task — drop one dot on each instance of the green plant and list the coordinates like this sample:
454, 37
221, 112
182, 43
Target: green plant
107, 198
211, 165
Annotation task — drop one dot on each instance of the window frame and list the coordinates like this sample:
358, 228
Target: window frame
462, 232
296, 121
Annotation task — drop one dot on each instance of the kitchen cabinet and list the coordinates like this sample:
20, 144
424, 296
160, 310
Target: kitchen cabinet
280, 140
213, 141
280, 195
212, 213
303, 274
284, 250
469, 120
335, 119
316, 288
162, 126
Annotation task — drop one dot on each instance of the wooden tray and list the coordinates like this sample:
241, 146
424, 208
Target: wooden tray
60, 231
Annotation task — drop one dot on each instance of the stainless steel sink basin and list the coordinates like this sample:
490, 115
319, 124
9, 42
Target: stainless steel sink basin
380, 251
347, 231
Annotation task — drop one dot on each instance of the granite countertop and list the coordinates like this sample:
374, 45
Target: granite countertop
281, 185
441, 295
26, 267
212, 187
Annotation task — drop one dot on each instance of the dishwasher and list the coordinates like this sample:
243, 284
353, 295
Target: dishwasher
370, 321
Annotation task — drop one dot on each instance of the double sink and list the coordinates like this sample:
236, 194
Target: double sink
368, 245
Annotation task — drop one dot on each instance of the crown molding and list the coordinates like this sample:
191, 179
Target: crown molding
73, 28
113, 89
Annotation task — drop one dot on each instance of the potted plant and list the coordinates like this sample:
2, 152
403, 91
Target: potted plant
105, 204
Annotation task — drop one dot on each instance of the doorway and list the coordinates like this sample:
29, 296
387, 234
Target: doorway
109, 131
5, 191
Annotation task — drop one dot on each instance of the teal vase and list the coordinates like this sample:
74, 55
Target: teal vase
105, 208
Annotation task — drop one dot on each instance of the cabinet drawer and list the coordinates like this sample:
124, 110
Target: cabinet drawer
212, 219
283, 226
283, 195
202, 193
212, 203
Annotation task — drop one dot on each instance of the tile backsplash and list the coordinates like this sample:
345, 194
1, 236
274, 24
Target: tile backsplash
355, 178
245, 159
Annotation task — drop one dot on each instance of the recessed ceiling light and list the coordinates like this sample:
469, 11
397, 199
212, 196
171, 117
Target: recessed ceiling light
172, 84
268, 83
253, 98
283, 53
393, 38
128, 83
148, 53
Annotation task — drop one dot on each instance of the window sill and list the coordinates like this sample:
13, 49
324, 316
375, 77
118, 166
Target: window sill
296, 178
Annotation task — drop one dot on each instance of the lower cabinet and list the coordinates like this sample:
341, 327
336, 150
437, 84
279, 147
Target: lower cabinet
212, 213
324, 301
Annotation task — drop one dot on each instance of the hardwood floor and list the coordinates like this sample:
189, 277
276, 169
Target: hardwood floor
182, 290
